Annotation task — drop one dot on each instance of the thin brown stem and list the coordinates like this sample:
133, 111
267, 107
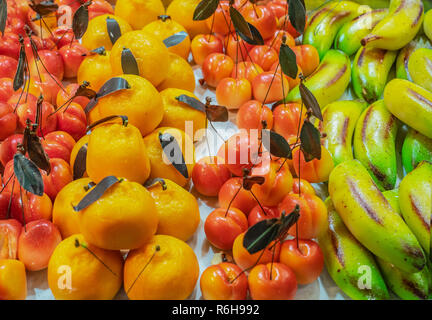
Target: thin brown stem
232, 200
157, 249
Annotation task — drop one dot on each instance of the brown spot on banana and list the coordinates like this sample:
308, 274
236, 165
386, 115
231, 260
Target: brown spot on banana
337, 76
344, 131
361, 57
363, 202
335, 245
339, 16
369, 38
321, 66
388, 127
364, 126
401, 6
418, 212
316, 15
410, 286
415, 253
417, 19
419, 97
379, 175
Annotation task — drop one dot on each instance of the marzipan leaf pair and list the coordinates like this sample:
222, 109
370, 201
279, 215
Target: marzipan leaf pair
96, 193
244, 29
80, 20
263, 233
276, 144
214, 113
128, 62
205, 9
112, 85
173, 152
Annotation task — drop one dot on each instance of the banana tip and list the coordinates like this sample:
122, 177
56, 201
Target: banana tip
369, 39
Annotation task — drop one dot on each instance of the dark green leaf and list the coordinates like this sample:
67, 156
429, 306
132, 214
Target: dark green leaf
106, 119
192, 102
173, 152
153, 182
113, 29
175, 39
260, 235
84, 91
217, 113
310, 138
205, 9
256, 38
80, 20
276, 144
239, 23
3, 15
129, 63
100, 51
112, 85
289, 220
288, 61
310, 101
28, 175
297, 15
36, 152
80, 163
19, 75
249, 181
43, 8
96, 193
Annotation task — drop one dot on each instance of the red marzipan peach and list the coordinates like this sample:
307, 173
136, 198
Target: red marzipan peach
224, 281
36, 244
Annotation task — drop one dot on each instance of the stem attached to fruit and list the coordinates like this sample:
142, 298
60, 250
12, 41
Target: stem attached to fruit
157, 249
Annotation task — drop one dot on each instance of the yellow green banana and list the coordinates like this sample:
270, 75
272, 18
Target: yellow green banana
329, 81
375, 144
346, 259
415, 198
371, 219
375, 4
401, 25
420, 67
325, 23
407, 286
370, 71
349, 36
411, 104
415, 149
404, 55
339, 121
392, 197
427, 24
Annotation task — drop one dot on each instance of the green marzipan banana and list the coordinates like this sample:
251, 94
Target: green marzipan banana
375, 144
415, 199
411, 104
329, 81
339, 121
349, 36
401, 25
346, 259
325, 23
404, 55
427, 24
370, 71
415, 149
420, 67
371, 219
407, 286
392, 197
